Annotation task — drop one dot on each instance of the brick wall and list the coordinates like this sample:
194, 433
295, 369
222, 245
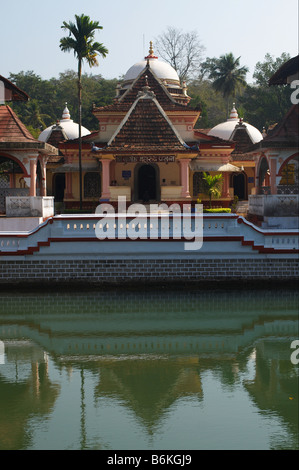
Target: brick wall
146, 270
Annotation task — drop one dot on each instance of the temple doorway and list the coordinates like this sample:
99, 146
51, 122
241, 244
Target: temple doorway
147, 182
59, 187
239, 185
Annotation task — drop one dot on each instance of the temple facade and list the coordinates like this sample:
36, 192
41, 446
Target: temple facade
146, 147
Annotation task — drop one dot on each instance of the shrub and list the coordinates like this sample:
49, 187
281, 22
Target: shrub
218, 210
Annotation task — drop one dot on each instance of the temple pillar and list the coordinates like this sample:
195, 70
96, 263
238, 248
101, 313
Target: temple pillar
12, 180
273, 169
43, 188
68, 186
184, 167
33, 164
105, 178
225, 185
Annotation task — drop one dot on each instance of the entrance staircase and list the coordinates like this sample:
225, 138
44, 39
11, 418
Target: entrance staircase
242, 208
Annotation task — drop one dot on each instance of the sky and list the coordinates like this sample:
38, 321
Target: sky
31, 30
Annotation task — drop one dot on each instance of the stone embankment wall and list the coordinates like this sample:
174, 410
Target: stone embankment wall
66, 250
120, 271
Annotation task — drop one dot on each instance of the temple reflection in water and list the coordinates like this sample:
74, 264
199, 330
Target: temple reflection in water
145, 352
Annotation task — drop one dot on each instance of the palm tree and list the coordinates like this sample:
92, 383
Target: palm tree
34, 117
81, 42
212, 186
227, 75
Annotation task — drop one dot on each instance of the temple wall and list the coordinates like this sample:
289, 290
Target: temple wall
69, 249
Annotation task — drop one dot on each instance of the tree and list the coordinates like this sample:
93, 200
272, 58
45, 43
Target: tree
183, 51
81, 42
228, 77
51, 95
34, 117
212, 104
264, 70
265, 105
212, 186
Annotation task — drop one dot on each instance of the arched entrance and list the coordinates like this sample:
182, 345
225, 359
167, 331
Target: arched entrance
59, 187
11, 173
264, 177
147, 183
239, 185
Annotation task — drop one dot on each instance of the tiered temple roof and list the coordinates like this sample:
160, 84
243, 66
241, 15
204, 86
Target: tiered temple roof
146, 127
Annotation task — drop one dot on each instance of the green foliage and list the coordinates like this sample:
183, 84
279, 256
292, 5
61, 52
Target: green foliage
81, 42
235, 203
218, 210
228, 77
213, 106
50, 96
258, 104
212, 186
264, 105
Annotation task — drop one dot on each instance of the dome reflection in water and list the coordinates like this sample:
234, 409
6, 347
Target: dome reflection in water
148, 370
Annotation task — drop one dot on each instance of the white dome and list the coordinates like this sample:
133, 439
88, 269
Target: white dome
161, 69
225, 129
70, 128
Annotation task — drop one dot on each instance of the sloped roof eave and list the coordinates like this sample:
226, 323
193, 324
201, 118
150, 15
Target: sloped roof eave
19, 94
41, 147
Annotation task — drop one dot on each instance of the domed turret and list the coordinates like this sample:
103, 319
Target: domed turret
226, 129
69, 128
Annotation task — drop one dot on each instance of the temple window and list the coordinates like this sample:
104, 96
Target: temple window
92, 184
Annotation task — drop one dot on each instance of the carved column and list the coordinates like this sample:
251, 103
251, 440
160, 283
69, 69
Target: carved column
105, 178
43, 183
225, 185
33, 163
184, 167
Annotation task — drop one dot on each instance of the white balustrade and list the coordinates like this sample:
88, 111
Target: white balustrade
147, 227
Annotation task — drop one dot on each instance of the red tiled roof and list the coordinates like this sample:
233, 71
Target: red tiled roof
285, 134
147, 77
146, 128
288, 128
11, 128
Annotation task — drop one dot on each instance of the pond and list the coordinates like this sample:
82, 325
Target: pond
149, 369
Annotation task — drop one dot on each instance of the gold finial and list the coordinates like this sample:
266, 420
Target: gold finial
151, 50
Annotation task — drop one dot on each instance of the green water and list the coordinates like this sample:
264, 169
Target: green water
149, 370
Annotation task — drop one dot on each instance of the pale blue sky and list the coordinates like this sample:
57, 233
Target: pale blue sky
30, 31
